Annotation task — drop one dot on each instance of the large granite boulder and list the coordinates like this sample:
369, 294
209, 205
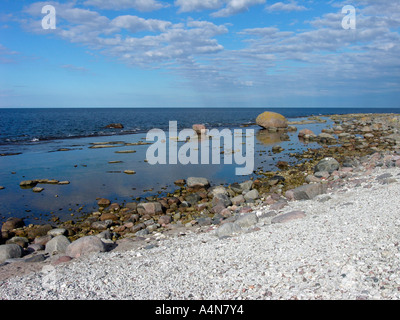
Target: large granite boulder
269, 120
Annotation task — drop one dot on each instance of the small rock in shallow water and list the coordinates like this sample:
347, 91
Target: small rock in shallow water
37, 189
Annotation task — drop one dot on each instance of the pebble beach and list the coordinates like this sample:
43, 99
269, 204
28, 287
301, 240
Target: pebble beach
345, 247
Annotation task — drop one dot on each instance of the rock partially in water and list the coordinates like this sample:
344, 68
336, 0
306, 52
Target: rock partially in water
272, 120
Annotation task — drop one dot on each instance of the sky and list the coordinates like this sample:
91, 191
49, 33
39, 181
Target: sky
199, 53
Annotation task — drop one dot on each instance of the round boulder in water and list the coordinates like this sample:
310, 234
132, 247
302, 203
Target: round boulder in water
272, 120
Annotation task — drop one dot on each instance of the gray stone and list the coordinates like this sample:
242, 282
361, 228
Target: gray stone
101, 225
246, 186
193, 198
36, 258
238, 200
10, 251
57, 232
227, 230
247, 220
85, 245
220, 198
142, 233
105, 235
327, 164
194, 182
308, 191
22, 241
218, 190
150, 208
57, 245
252, 195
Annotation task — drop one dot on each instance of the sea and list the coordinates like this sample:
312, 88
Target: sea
57, 143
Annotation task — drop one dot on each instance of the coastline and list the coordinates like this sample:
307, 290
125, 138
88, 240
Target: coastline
126, 218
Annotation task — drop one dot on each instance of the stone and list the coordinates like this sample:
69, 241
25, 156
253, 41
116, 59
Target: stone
294, 215
193, 182
246, 186
221, 199
103, 203
35, 258
164, 220
238, 200
305, 132
227, 230
322, 174
11, 224
272, 120
308, 191
101, 225
39, 231
37, 189
130, 172
150, 208
10, 251
33, 247
252, 195
21, 241
108, 216
57, 232
247, 220
57, 245
85, 245
115, 126
42, 240
198, 128
142, 233
218, 190
193, 198
327, 164
2, 188
28, 183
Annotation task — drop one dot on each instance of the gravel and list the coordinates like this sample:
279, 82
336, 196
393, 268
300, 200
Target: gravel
346, 247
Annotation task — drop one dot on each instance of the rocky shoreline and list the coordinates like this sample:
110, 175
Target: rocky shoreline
356, 142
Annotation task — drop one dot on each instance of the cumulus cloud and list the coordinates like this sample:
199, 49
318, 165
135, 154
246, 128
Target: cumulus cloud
288, 7
140, 5
236, 6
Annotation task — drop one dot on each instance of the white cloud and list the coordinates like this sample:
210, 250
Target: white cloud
236, 6
141, 5
226, 7
198, 5
288, 7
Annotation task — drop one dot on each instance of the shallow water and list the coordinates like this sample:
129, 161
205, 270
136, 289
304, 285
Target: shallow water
91, 175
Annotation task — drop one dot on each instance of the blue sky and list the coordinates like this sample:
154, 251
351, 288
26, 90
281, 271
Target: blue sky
199, 53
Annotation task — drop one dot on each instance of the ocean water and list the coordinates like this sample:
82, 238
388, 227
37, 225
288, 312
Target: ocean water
31, 140
25, 126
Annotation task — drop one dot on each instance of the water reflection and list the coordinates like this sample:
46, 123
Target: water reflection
269, 138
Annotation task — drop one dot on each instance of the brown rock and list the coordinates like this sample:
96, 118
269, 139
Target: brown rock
305, 132
272, 120
11, 224
115, 126
108, 216
164, 220
103, 203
